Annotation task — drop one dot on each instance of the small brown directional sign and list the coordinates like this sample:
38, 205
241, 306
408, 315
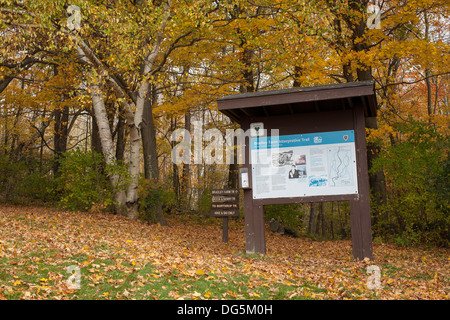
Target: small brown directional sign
225, 202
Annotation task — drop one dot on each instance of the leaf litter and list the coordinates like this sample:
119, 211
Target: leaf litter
119, 258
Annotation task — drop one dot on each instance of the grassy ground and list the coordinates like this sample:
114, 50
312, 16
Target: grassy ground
115, 258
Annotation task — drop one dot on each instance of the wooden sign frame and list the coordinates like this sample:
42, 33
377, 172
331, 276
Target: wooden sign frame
303, 111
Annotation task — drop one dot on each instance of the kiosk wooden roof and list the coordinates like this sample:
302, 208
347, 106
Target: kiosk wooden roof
300, 100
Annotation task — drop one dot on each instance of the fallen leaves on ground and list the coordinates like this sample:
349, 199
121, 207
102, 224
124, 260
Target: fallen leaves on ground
118, 258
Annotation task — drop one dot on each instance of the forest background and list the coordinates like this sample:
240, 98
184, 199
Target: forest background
91, 92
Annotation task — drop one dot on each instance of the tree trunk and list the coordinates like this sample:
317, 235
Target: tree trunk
376, 179
151, 167
233, 169
297, 74
312, 217
428, 75
247, 86
120, 140
142, 122
364, 73
185, 179
96, 144
175, 174
134, 117
107, 144
176, 180
132, 202
60, 137
332, 220
322, 219
60, 132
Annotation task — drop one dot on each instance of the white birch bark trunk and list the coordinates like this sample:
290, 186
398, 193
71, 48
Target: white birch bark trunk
135, 129
134, 119
134, 171
107, 143
105, 135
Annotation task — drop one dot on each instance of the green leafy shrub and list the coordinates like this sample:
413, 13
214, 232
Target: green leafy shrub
205, 202
37, 185
290, 215
154, 199
11, 173
82, 183
416, 180
25, 181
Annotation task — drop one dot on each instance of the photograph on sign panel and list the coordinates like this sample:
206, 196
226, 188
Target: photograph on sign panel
283, 158
302, 174
297, 172
293, 173
300, 159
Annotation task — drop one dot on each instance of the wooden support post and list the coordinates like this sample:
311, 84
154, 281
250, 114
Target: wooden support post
360, 208
260, 229
361, 229
249, 226
255, 238
225, 230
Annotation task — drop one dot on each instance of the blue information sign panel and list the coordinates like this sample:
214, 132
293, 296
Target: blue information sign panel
299, 165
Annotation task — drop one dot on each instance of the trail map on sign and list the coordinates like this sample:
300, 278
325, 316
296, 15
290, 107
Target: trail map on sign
340, 166
304, 165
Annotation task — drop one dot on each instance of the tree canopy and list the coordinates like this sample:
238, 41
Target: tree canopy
102, 85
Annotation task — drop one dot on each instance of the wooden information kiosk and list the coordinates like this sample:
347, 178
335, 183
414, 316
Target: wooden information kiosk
305, 145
